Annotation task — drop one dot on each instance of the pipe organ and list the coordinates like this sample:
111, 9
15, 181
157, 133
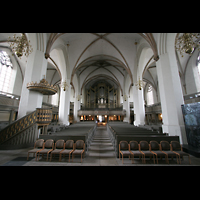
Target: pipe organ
101, 95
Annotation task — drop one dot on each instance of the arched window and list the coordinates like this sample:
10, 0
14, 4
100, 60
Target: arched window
6, 68
150, 99
198, 62
54, 99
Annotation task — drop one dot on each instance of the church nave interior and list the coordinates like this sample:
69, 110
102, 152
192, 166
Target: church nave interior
51, 82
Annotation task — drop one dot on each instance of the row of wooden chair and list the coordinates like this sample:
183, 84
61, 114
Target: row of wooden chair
152, 149
61, 148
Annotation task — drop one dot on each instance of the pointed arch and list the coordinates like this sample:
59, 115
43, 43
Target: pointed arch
104, 76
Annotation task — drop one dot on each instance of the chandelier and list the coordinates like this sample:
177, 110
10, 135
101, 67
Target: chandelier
64, 85
187, 43
20, 45
78, 97
139, 84
125, 97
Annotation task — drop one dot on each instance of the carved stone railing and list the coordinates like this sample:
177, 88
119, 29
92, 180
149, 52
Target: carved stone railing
25, 130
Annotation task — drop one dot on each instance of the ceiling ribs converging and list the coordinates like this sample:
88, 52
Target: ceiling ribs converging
147, 36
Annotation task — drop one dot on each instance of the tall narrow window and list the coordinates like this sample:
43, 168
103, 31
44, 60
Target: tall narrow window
150, 99
5, 71
54, 99
198, 63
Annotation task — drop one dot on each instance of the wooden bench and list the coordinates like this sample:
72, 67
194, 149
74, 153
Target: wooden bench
125, 132
79, 131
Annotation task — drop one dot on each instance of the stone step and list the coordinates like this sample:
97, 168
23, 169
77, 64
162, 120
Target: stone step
103, 141
101, 144
101, 148
106, 155
101, 155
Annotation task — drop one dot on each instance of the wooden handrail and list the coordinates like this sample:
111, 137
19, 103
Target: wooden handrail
17, 126
39, 116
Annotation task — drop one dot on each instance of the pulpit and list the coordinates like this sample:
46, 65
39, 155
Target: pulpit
43, 118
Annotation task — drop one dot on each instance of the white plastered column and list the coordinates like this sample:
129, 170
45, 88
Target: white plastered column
141, 107
76, 108
35, 69
171, 95
64, 106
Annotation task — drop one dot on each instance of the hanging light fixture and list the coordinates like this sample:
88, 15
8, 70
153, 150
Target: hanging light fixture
140, 84
20, 45
78, 97
64, 85
125, 97
187, 43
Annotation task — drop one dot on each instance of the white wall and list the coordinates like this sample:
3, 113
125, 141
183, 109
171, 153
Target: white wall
17, 87
4, 116
192, 77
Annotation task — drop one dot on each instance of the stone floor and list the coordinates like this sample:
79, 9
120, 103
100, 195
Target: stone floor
100, 153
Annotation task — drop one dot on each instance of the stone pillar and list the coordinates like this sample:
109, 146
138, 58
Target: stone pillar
64, 106
171, 96
108, 97
141, 107
76, 108
35, 69
136, 106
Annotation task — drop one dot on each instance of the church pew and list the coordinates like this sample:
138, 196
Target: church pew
79, 131
122, 131
64, 137
129, 131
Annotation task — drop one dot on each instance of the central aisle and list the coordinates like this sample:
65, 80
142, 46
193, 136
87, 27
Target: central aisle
101, 150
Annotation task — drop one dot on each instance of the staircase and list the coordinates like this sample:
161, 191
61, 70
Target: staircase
24, 132
101, 145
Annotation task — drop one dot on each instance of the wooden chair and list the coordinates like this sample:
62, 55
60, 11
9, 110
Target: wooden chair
124, 150
48, 147
134, 149
144, 148
68, 149
177, 148
38, 146
79, 148
166, 148
155, 148
59, 146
